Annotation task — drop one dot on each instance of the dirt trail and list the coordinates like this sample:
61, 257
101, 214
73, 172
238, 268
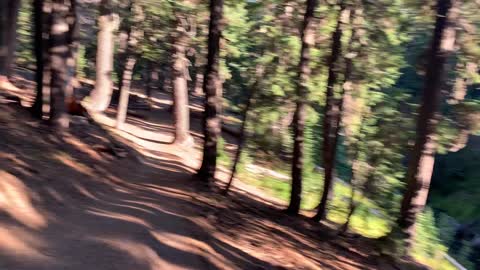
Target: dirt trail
66, 203
82, 201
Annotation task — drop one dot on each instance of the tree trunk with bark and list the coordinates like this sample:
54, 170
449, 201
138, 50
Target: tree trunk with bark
332, 115
133, 36
212, 87
42, 16
422, 158
107, 23
308, 38
61, 60
180, 77
125, 92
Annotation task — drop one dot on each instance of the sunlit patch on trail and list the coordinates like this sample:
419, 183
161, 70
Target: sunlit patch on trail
21, 244
15, 201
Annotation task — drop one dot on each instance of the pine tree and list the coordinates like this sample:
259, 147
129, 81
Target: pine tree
185, 30
134, 35
60, 53
423, 155
42, 15
333, 112
308, 38
107, 23
212, 88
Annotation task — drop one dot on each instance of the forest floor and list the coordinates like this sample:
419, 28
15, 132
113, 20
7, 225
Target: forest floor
97, 198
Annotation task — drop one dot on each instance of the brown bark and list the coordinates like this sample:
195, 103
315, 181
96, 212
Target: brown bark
107, 23
60, 55
180, 76
73, 41
133, 36
212, 87
42, 17
122, 53
125, 92
332, 115
422, 158
307, 37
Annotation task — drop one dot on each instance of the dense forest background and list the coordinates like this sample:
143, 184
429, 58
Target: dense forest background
342, 124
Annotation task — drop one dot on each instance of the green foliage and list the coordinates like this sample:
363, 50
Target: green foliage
455, 184
25, 34
222, 156
81, 61
427, 243
433, 234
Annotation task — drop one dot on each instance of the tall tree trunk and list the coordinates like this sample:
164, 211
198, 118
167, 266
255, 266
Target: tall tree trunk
181, 111
212, 87
308, 38
122, 54
133, 35
8, 37
60, 55
73, 40
422, 158
125, 92
42, 16
331, 118
107, 23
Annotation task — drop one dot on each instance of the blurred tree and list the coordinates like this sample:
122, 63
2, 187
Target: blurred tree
134, 35
333, 110
61, 60
308, 38
421, 162
212, 88
107, 24
42, 73
185, 30
54, 50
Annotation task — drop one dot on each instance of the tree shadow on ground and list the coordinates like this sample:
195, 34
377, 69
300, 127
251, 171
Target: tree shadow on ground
72, 203
266, 226
84, 208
